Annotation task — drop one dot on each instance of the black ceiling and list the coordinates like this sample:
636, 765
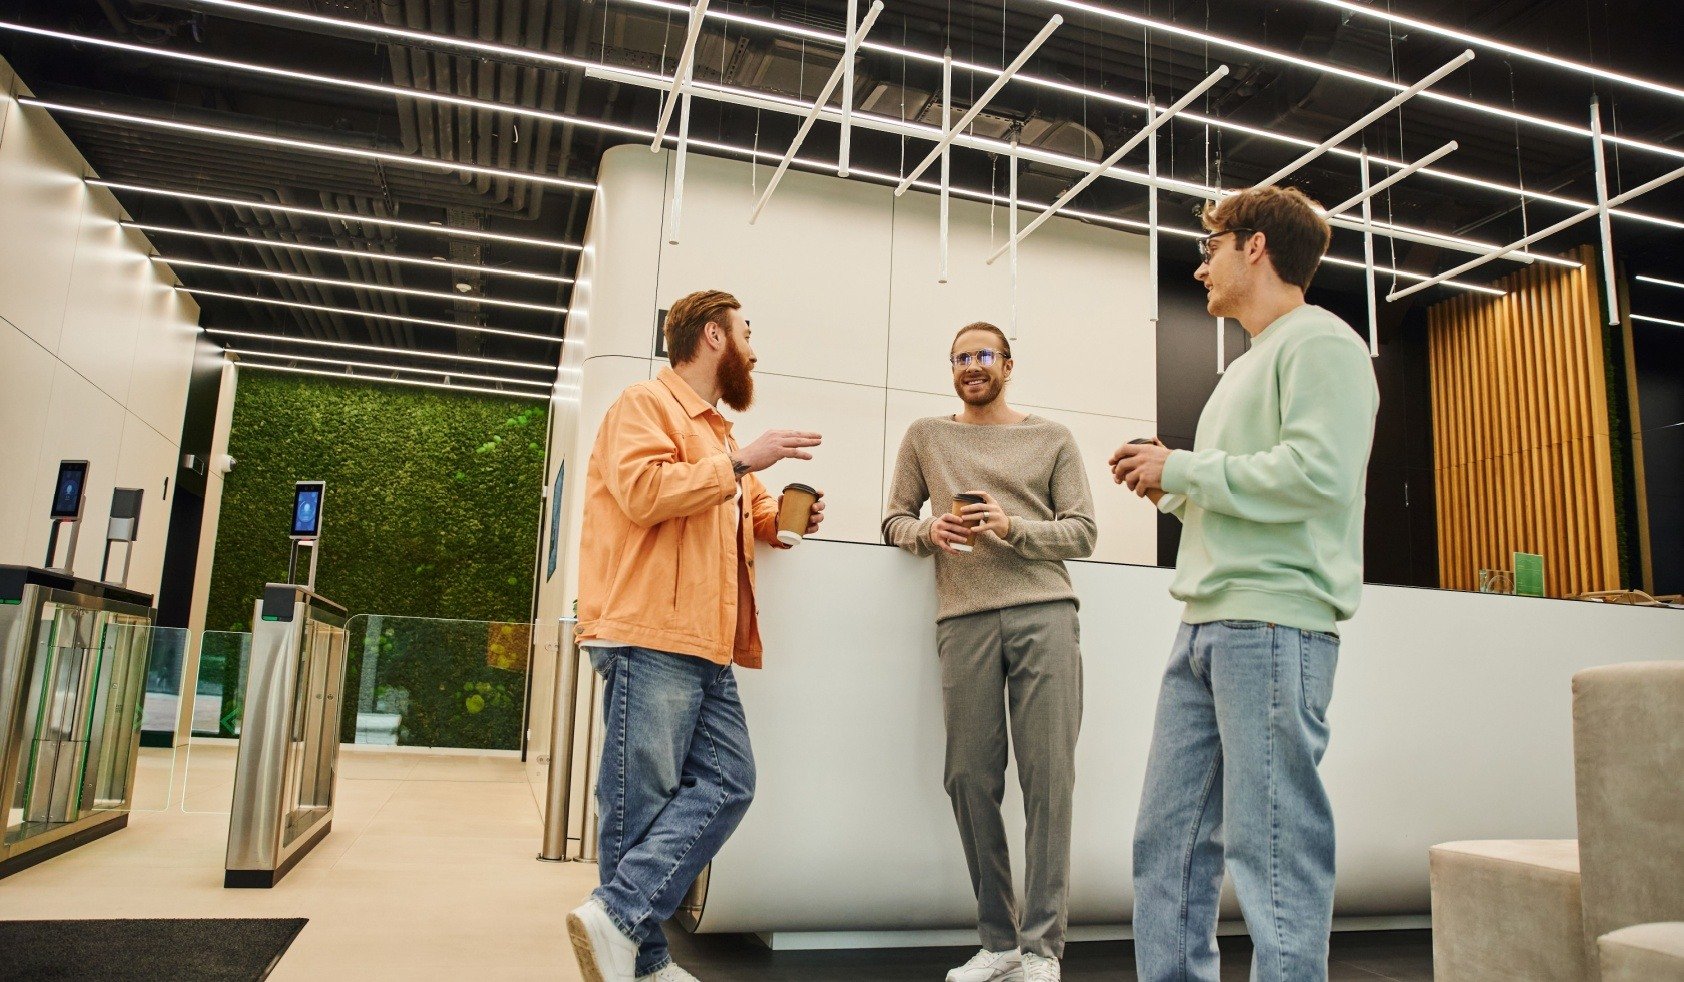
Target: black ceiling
1089, 50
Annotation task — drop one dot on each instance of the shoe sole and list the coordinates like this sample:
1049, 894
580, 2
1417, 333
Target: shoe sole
1015, 975
583, 950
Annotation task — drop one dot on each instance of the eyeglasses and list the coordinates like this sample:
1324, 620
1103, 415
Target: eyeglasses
1205, 243
985, 357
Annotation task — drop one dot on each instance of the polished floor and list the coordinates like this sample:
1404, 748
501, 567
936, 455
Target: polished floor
430, 873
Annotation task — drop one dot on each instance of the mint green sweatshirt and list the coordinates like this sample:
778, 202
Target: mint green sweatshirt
1272, 492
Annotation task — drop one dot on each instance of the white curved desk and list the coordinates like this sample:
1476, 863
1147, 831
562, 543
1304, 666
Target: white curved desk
1451, 720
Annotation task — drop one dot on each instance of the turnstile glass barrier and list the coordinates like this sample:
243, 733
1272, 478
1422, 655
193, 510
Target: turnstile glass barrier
436, 682
286, 765
219, 699
73, 656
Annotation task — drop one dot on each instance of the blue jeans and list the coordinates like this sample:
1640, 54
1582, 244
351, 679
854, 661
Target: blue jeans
1241, 728
677, 776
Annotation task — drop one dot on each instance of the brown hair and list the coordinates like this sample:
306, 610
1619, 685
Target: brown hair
1295, 234
1005, 345
688, 316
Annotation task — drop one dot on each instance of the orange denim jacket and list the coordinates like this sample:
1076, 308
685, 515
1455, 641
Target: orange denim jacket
657, 560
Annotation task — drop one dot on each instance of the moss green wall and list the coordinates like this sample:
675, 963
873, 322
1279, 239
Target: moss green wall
432, 497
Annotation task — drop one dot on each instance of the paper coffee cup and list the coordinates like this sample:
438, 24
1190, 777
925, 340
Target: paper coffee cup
795, 513
959, 503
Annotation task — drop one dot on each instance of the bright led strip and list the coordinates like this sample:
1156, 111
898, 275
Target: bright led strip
399, 159
174, 261
372, 314
353, 253
418, 383
377, 367
425, 95
334, 216
1656, 320
352, 346
1661, 282
892, 180
1508, 49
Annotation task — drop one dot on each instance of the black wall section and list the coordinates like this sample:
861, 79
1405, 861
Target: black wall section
1400, 542
1659, 351
187, 510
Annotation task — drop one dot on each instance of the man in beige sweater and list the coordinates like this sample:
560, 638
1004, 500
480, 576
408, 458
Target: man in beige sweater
1006, 623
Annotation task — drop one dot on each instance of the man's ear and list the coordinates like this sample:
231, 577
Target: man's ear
1255, 246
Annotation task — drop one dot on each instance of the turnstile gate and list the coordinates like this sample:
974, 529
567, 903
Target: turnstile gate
72, 680
286, 768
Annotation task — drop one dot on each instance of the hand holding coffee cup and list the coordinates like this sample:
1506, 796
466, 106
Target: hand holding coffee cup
962, 503
1139, 463
800, 511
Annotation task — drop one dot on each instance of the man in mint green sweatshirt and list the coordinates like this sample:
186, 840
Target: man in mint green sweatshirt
1271, 497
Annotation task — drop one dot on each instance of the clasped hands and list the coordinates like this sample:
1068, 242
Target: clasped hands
1141, 467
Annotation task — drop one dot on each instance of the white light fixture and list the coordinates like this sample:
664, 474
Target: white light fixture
1113, 98
353, 346
373, 315
336, 216
174, 261
332, 149
418, 383
1656, 320
377, 367
1660, 282
252, 240
1507, 49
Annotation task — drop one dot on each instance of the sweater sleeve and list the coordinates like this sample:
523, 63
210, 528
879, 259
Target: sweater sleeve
901, 525
1328, 401
1071, 532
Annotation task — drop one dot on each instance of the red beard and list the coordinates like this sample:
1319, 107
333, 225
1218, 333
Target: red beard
736, 383
988, 394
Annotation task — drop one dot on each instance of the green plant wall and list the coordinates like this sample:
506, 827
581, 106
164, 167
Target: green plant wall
432, 506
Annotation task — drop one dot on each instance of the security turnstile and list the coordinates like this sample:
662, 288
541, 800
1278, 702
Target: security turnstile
286, 768
72, 679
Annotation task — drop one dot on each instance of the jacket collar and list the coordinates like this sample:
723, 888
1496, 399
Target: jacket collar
686, 396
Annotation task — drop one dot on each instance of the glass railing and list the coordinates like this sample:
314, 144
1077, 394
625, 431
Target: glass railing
426, 682
157, 772
218, 703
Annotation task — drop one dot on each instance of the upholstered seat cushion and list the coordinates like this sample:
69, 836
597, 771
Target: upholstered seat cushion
1507, 910
1644, 953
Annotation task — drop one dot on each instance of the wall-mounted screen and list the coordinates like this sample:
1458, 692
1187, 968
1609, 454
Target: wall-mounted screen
307, 509
70, 489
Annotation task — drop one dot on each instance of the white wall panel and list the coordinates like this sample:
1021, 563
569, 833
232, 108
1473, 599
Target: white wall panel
82, 423
24, 398
166, 331
624, 242
813, 274
108, 293
41, 201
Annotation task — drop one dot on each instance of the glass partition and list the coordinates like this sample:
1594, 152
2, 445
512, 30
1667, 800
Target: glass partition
158, 773
218, 702
427, 682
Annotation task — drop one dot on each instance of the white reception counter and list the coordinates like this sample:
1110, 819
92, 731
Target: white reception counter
1451, 720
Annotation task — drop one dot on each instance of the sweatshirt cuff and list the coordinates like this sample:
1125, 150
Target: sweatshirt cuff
1177, 478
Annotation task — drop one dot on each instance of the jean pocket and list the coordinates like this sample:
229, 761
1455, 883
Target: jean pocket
1318, 659
602, 659
1244, 625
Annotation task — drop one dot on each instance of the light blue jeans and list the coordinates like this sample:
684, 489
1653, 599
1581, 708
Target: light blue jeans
677, 776
1232, 779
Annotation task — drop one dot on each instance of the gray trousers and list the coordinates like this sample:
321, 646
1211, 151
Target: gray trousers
1027, 660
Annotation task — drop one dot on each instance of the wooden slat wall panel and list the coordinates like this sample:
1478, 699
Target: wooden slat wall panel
1522, 452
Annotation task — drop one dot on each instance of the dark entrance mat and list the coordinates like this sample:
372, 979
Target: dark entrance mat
182, 950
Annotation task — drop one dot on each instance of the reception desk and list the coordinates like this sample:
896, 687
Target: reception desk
1451, 720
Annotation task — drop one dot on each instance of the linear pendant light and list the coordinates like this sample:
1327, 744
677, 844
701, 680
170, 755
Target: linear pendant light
536, 366
175, 261
377, 367
333, 149
383, 257
370, 314
418, 383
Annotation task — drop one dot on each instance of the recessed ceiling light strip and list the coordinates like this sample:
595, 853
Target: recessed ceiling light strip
381, 349
175, 261
378, 367
418, 383
373, 315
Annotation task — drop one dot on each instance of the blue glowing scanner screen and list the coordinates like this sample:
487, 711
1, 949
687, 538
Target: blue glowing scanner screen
307, 512
67, 494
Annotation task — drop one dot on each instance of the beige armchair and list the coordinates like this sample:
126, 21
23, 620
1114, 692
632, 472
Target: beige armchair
1536, 910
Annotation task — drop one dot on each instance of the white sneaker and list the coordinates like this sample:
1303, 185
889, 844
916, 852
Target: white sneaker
672, 973
605, 955
1039, 968
990, 966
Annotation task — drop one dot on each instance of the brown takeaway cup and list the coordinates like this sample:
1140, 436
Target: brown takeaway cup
795, 513
959, 503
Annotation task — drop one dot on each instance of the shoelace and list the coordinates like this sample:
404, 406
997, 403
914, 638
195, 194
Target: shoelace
981, 958
1038, 969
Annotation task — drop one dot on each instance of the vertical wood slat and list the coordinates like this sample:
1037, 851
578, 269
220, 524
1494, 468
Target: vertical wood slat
1521, 442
